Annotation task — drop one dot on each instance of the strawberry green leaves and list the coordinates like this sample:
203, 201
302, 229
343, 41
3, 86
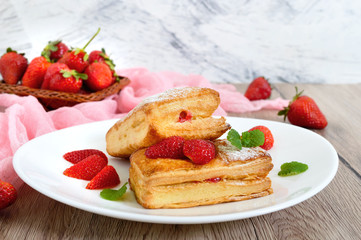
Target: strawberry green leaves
77, 75
114, 195
292, 168
253, 138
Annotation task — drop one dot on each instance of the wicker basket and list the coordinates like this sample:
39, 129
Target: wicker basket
54, 99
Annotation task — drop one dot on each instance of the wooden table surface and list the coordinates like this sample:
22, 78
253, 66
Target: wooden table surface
334, 213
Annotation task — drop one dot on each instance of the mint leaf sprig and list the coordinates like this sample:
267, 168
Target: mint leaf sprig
114, 195
292, 168
252, 138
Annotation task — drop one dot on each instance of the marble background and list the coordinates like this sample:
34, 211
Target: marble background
315, 41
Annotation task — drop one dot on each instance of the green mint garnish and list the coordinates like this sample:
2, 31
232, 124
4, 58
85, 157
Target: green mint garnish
252, 138
234, 138
113, 195
292, 168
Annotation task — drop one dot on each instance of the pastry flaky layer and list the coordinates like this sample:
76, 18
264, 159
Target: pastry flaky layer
157, 118
233, 175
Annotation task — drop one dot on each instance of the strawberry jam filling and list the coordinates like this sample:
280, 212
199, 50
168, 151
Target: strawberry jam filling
185, 116
214, 180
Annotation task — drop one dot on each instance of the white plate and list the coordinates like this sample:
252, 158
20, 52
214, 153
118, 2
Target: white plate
40, 164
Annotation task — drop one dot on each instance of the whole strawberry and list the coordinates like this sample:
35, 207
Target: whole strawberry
199, 151
34, 74
77, 59
258, 89
102, 56
106, 178
171, 147
99, 76
303, 111
8, 194
268, 137
60, 77
12, 66
54, 50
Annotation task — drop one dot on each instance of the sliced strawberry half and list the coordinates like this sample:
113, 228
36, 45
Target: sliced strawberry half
78, 155
171, 147
106, 178
199, 151
87, 168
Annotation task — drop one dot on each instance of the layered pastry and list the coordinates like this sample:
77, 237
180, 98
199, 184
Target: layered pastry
185, 112
233, 175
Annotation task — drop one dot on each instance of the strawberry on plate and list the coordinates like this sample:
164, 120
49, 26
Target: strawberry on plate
199, 151
60, 77
8, 194
78, 155
258, 89
106, 178
12, 66
171, 147
87, 168
303, 111
34, 74
268, 137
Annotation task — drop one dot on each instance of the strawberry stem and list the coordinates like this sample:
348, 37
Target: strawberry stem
91, 39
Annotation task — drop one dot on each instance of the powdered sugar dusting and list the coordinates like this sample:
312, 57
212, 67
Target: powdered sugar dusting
164, 96
168, 95
231, 153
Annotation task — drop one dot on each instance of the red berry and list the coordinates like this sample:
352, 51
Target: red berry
87, 168
34, 74
8, 194
171, 147
97, 56
62, 49
75, 60
54, 50
12, 66
78, 58
199, 151
78, 155
106, 178
304, 112
59, 77
258, 89
268, 137
99, 76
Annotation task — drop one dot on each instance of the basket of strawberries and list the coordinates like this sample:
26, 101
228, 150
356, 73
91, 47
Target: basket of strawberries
61, 76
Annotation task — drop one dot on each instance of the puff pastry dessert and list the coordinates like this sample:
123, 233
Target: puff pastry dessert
233, 175
185, 112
